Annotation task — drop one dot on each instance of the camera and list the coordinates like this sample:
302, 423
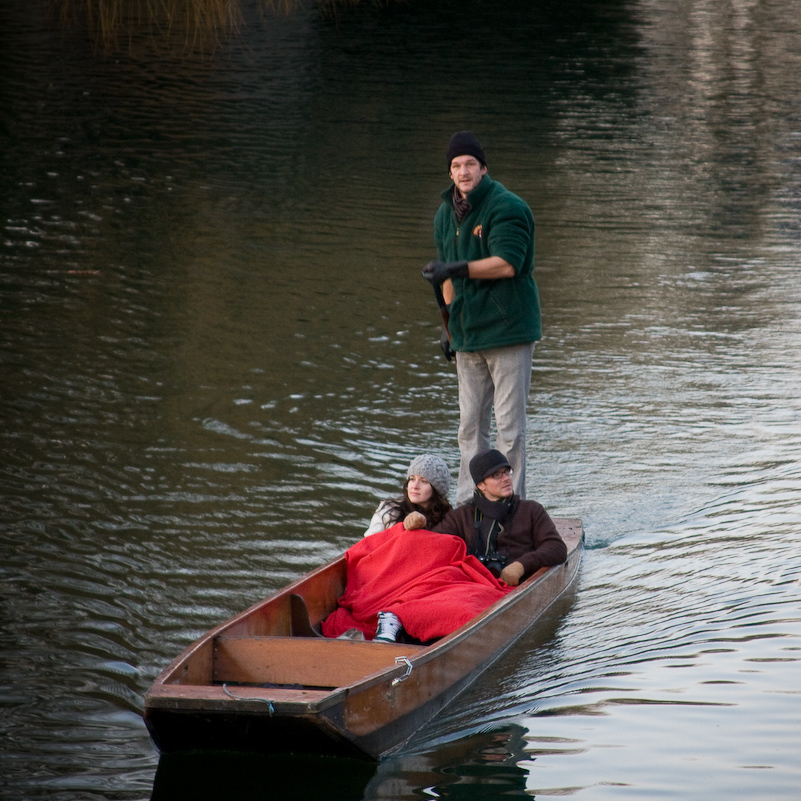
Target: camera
494, 562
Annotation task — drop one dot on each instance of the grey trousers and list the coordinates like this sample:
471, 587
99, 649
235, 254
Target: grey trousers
499, 377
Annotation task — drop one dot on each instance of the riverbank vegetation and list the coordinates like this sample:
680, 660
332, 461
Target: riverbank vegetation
197, 24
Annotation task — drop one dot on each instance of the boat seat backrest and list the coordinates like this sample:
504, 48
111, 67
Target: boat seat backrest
299, 616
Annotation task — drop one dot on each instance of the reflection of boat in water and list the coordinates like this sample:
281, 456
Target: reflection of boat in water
471, 764
266, 681
206, 775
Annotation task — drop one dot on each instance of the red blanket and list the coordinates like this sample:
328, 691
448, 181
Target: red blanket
428, 580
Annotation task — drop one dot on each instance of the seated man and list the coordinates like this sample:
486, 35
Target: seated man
409, 578
513, 538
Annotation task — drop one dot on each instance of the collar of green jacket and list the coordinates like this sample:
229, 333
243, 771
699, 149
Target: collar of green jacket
475, 197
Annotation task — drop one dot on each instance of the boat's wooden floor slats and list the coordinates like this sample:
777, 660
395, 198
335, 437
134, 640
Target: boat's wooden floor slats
306, 662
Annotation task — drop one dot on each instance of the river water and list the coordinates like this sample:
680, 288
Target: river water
218, 355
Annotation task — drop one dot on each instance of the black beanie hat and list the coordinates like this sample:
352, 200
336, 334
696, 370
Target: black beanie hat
486, 463
464, 143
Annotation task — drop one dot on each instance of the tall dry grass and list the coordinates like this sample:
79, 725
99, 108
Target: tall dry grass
197, 24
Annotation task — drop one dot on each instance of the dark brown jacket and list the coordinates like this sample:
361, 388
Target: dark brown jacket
530, 536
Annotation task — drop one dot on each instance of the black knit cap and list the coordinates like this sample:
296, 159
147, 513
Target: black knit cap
486, 463
464, 143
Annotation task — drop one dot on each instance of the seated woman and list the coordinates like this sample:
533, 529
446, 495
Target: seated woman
425, 490
412, 579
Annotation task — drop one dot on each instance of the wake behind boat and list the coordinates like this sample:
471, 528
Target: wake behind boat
267, 681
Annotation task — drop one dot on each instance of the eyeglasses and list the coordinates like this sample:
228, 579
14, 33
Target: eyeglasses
499, 474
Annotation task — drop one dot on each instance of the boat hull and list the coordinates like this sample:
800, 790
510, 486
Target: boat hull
253, 684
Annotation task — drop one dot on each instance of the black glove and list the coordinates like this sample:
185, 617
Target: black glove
439, 271
445, 344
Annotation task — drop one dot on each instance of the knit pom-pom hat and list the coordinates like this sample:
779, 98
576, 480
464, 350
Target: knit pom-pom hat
434, 470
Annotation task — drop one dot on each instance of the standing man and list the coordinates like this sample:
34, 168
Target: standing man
485, 243
511, 537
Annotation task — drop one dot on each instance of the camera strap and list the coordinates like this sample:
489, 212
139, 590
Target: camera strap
487, 542
490, 519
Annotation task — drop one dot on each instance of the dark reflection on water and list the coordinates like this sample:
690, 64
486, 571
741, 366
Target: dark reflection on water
197, 776
217, 354
471, 768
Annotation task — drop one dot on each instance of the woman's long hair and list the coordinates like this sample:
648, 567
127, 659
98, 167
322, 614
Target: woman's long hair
434, 511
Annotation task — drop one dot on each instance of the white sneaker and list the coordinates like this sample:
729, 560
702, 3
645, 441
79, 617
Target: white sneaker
352, 634
388, 627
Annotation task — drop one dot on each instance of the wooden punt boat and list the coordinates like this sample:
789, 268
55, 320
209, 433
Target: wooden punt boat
266, 681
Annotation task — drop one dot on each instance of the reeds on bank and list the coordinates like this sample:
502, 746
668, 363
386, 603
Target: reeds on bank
197, 23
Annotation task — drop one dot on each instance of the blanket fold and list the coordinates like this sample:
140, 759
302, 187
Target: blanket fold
428, 580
